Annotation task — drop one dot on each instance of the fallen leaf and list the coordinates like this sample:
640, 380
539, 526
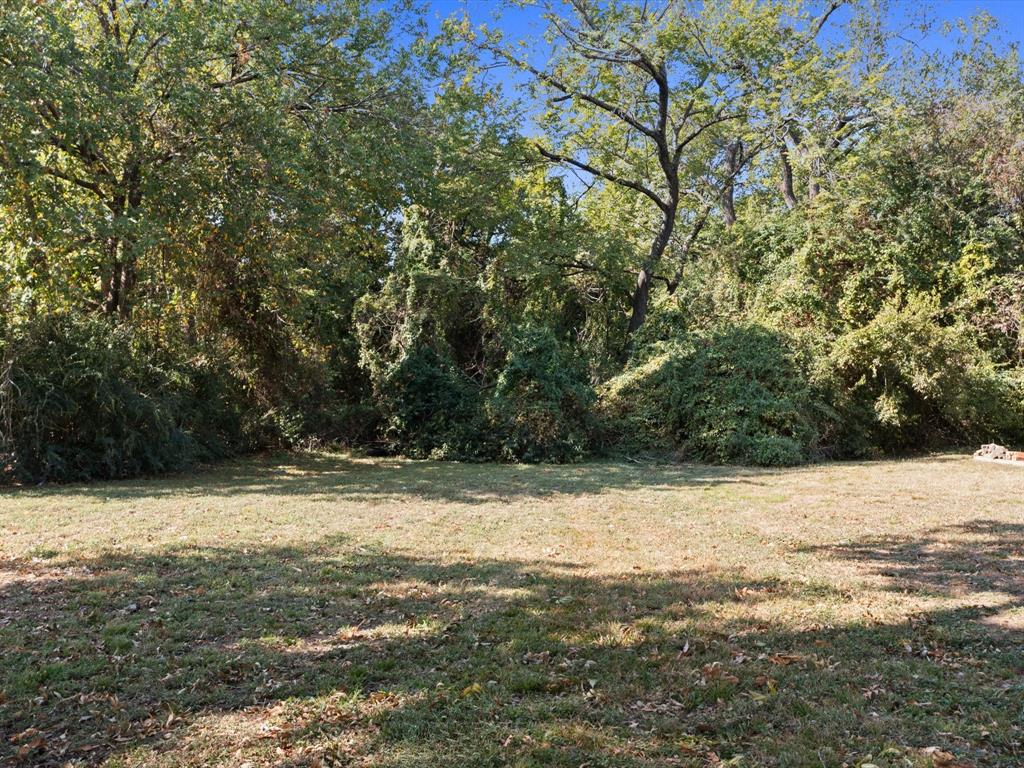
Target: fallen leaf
942, 759
28, 733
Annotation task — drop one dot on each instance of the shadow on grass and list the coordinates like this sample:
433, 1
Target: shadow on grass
958, 560
335, 654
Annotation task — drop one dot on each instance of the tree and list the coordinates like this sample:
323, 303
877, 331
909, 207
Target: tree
668, 101
126, 122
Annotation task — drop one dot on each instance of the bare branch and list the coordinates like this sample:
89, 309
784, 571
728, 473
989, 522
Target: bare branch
823, 19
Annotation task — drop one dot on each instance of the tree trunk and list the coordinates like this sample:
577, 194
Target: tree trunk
121, 279
812, 183
728, 205
733, 164
111, 285
642, 292
788, 193
641, 298
124, 307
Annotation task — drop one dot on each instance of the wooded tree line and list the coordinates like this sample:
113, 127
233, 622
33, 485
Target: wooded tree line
764, 231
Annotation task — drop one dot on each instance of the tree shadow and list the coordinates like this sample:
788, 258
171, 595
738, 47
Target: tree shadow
965, 560
341, 654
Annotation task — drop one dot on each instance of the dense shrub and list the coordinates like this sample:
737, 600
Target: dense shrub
432, 409
539, 409
84, 401
914, 383
419, 344
737, 394
542, 406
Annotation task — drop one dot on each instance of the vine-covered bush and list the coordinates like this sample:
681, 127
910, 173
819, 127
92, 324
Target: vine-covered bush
914, 383
542, 406
539, 409
85, 401
433, 410
737, 394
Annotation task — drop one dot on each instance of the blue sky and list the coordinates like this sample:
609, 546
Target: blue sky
519, 23
527, 22
1010, 13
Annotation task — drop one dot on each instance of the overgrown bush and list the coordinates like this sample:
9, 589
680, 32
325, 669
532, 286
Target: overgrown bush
542, 406
420, 344
915, 383
85, 401
737, 394
433, 410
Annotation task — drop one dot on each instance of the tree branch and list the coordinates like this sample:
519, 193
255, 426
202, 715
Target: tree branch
695, 230
245, 77
719, 118
554, 82
92, 186
628, 183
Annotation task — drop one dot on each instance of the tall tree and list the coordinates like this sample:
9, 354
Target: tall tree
135, 117
668, 100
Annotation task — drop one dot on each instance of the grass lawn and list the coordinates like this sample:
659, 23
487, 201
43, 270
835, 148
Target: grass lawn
320, 610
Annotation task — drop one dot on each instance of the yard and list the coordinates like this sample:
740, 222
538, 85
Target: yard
323, 610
